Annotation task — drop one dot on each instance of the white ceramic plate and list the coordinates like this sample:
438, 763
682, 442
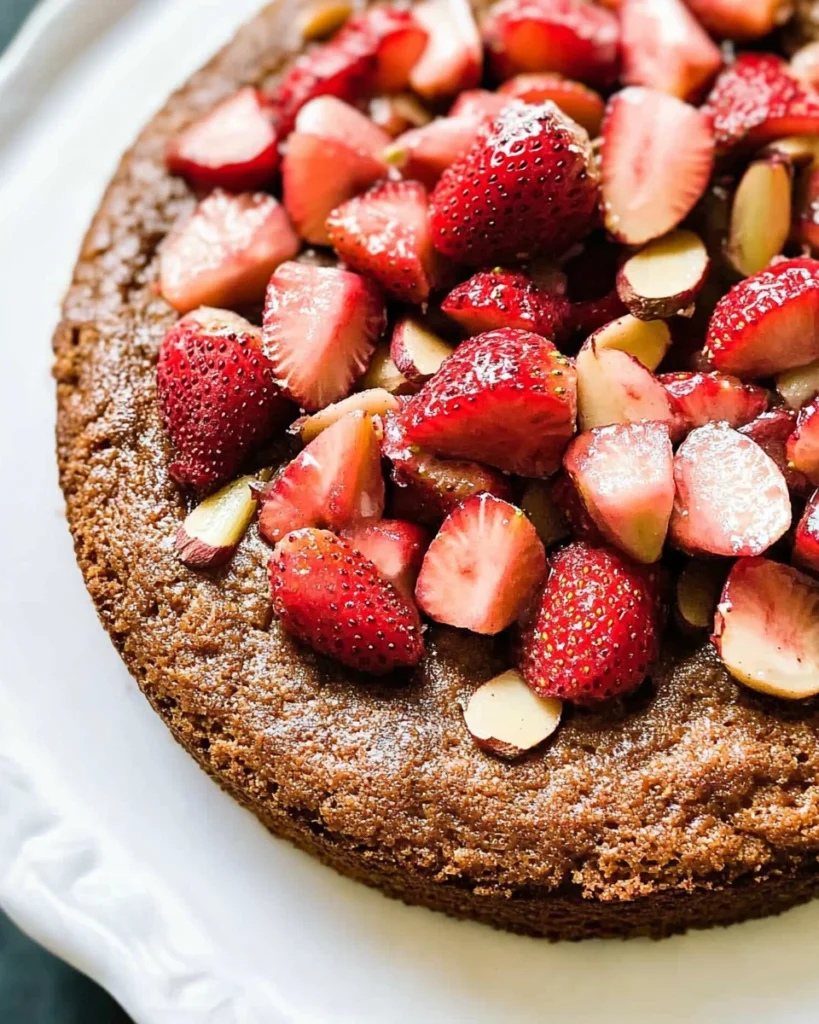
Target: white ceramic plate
115, 850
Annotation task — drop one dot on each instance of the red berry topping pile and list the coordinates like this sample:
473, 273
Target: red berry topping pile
537, 297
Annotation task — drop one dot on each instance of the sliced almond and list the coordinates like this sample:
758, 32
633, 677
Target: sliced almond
545, 515
646, 340
801, 150
211, 533
322, 18
376, 402
664, 278
799, 386
506, 718
383, 373
398, 114
766, 628
760, 215
698, 589
416, 351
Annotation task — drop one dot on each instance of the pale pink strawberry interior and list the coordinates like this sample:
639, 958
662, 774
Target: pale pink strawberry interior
655, 166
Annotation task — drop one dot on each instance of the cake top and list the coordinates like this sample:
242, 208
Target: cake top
562, 373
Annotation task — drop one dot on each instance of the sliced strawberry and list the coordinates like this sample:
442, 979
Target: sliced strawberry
346, 72
320, 329
665, 48
569, 653
740, 19
483, 568
576, 100
771, 431
385, 233
614, 387
484, 209
395, 548
478, 103
235, 146
625, 476
576, 39
217, 394
803, 444
334, 153
428, 488
395, 37
731, 499
425, 153
757, 100
374, 629
806, 538
650, 181
453, 58
767, 628
567, 498
225, 252
700, 398
335, 483
506, 397
507, 298
768, 322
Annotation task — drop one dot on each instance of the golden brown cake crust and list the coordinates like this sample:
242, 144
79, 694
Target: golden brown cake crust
695, 802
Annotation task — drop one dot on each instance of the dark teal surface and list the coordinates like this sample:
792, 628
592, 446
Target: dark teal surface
36, 988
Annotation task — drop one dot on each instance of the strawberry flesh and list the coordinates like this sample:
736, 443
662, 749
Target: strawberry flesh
527, 185
453, 58
739, 19
507, 398
806, 538
731, 498
483, 568
385, 234
615, 387
234, 146
334, 483
425, 153
320, 328
428, 488
217, 394
768, 322
757, 100
771, 431
578, 40
803, 445
224, 253
334, 153
651, 181
766, 629
700, 398
396, 40
396, 548
505, 298
576, 100
625, 476
595, 633
334, 599
665, 48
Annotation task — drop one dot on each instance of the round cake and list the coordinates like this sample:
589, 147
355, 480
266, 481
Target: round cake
689, 802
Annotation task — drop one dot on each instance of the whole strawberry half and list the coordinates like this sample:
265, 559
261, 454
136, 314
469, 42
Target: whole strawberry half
596, 631
757, 100
700, 398
767, 323
507, 298
385, 233
507, 398
527, 185
334, 599
217, 394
